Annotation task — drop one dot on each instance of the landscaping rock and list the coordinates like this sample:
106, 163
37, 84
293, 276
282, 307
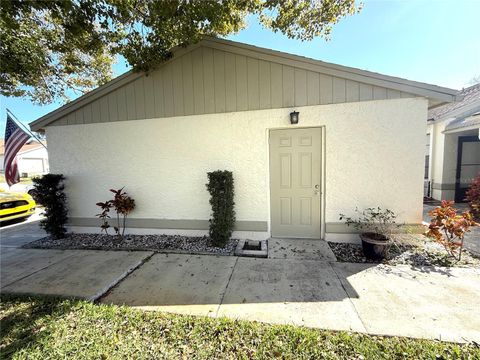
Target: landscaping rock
159, 243
413, 250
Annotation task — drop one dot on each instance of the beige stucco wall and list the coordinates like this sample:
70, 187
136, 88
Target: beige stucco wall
374, 156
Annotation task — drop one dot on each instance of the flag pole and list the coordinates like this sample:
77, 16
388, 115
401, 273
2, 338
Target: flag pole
19, 122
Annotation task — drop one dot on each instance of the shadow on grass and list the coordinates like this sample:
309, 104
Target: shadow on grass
24, 320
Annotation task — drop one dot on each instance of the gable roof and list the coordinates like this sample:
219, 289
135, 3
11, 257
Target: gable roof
469, 105
359, 80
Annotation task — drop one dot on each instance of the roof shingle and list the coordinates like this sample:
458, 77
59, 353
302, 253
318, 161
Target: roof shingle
471, 95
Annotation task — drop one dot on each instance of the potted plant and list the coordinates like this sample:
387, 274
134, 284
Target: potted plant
376, 227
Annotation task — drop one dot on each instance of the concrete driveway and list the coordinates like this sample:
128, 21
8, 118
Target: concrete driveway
313, 291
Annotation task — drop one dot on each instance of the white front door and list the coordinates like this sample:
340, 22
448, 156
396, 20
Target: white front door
295, 173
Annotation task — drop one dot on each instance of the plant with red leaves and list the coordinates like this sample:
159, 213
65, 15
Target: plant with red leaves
122, 204
103, 216
448, 228
473, 196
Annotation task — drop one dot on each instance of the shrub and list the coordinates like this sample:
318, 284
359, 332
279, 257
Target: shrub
448, 228
473, 196
49, 192
123, 205
373, 220
221, 189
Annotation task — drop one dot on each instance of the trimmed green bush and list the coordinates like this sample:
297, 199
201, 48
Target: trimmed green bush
221, 189
49, 192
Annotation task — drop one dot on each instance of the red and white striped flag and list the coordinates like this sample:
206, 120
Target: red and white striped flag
15, 138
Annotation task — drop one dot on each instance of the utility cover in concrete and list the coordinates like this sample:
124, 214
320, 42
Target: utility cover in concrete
188, 284
84, 273
299, 292
300, 249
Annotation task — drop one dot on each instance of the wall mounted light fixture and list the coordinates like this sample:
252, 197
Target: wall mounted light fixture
294, 116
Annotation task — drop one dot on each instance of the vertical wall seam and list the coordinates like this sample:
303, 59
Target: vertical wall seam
258, 83
193, 87
236, 81
203, 81
153, 95
134, 102
118, 111
246, 76
214, 82
181, 82
270, 82
225, 79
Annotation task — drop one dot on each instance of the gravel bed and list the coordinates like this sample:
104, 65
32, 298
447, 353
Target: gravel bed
160, 243
414, 250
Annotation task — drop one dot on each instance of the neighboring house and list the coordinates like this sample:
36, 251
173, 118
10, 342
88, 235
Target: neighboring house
32, 159
453, 146
224, 105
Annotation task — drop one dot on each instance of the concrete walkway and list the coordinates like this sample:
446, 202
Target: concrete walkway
299, 284
72, 273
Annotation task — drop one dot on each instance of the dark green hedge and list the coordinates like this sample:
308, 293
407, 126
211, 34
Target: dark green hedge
221, 189
49, 192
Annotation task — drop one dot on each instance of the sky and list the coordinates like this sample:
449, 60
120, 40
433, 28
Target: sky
431, 41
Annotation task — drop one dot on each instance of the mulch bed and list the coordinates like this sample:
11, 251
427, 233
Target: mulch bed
160, 243
414, 250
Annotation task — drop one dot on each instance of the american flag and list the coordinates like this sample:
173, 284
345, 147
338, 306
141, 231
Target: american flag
15, 138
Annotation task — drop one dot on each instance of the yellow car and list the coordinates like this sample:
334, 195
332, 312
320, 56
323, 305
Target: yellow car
15, 206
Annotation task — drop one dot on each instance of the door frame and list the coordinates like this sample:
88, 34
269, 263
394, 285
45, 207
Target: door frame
322, 174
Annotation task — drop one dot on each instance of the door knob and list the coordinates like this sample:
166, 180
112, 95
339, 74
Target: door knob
317, 189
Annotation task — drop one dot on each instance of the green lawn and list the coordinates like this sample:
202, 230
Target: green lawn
23, 180
36, 328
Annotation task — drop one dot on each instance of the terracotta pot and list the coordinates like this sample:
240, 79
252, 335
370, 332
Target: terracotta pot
374, 245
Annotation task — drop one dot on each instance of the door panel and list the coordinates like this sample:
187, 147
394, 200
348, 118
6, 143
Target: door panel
468, 165
295, 173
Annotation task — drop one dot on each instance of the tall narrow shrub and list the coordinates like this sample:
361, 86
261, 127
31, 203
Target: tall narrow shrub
221, 189
49, 192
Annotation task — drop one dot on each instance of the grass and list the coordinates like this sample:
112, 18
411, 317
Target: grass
23, 180
48, 328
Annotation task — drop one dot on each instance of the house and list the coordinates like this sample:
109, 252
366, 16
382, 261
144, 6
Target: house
225, 105
32, 158
453, 147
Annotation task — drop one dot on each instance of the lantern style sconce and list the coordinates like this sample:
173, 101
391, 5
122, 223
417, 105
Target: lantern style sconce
294, 115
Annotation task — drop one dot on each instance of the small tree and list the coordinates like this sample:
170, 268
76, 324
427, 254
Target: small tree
473, 196
220, 187
49, 192
123, 205
448, 228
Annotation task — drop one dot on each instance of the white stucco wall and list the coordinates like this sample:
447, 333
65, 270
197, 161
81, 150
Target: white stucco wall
374, 157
